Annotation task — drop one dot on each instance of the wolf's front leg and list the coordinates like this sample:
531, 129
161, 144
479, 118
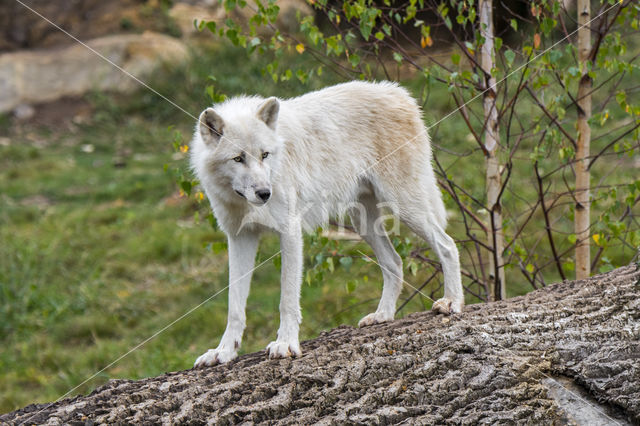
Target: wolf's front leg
287, 344
242, 254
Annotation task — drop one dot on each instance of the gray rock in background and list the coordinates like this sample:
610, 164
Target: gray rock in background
45, 75
61, 67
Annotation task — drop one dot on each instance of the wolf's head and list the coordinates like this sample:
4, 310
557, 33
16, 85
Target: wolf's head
243, 148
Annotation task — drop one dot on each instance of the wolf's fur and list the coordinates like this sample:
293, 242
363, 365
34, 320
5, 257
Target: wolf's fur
349, 148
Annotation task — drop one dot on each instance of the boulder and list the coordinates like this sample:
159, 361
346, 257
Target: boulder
37, 76
564, 354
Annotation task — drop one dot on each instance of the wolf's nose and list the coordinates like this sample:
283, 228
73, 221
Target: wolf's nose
263, 194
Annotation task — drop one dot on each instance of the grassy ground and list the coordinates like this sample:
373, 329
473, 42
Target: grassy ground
99, 251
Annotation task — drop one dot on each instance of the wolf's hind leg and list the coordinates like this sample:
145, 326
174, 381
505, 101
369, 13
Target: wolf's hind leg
427, 227
365, 220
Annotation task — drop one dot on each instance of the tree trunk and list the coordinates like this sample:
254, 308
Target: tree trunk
565, 353
492, 143
582, 208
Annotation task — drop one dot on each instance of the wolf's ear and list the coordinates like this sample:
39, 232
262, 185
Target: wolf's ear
268, 112
210, 125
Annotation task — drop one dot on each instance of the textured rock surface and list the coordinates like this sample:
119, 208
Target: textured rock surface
46, 75
21, 28
553, 356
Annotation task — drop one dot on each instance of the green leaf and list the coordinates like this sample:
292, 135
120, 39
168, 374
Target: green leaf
368, 21
514, 24
498, 43
210, 92
470, 47
573, 71
330, 264
555, 56
365, 30
354, 59
272, 13
411, 13
346, 262
455, 58
413, 268
286, 76
447, 22
186, 186
509, 56
303, 76
547, 25
219, 246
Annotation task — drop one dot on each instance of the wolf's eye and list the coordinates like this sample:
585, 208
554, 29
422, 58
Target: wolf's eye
265, 154
238, 159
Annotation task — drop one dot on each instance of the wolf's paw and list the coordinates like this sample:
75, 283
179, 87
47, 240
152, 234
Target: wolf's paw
375, 318
215, 356
283, 349
447, 306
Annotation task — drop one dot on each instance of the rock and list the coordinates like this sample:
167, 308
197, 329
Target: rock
564, 354
22, 28
88, 148
24, 112
46, 75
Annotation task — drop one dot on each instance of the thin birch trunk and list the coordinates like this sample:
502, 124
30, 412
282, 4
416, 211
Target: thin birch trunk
492, 143
582, 209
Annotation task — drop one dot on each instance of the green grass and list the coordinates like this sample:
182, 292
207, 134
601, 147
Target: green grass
98, 251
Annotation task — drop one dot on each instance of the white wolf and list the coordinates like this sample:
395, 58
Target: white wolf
289, 165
